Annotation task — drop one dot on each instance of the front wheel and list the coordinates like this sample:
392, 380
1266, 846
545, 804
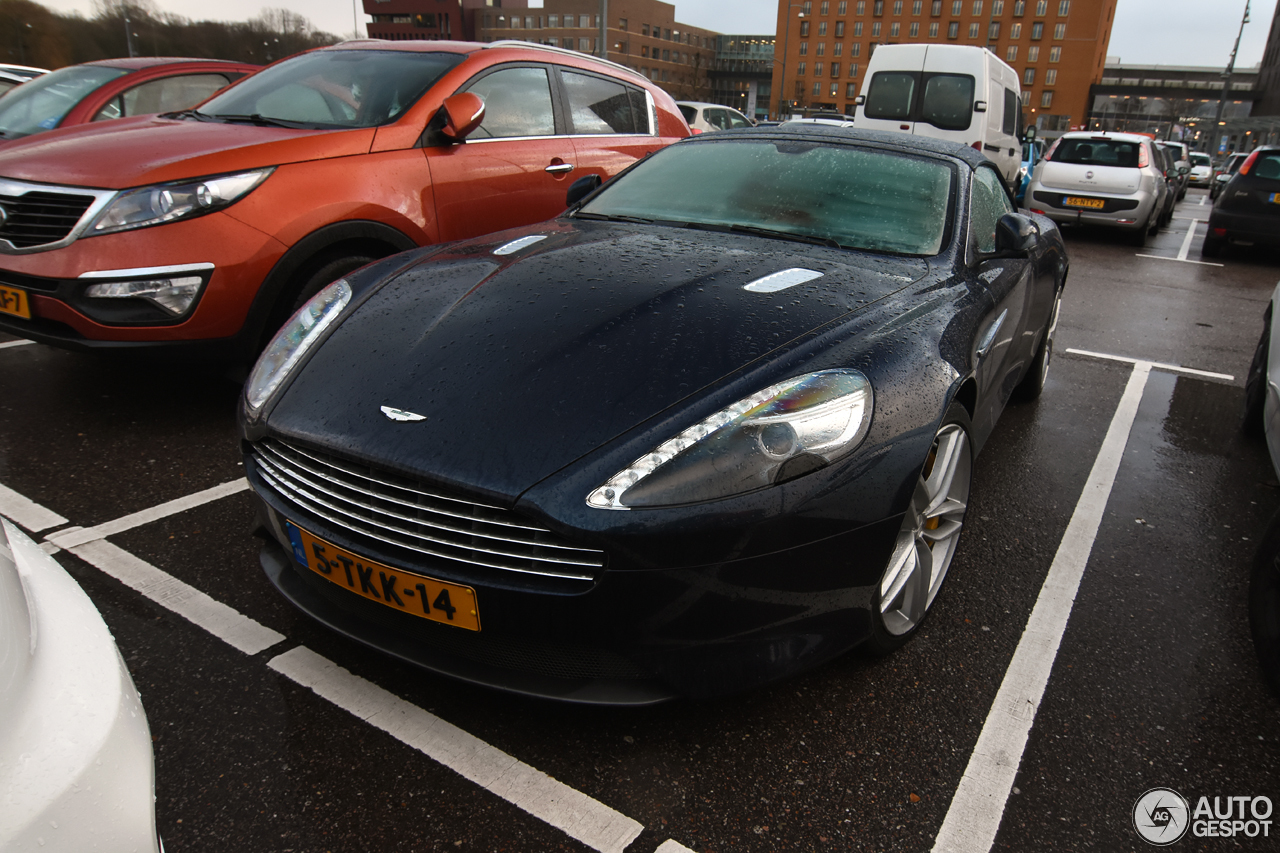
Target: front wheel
927, 539
1038, 372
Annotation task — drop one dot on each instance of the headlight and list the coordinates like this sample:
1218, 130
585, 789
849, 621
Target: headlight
772, 436
174, 294
297, 336
167, 202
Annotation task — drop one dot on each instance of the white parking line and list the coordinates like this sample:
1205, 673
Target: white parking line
27, 513
69, 539
978, 805
225, 623
1155, 365
1186, 241
8, 344
574, 813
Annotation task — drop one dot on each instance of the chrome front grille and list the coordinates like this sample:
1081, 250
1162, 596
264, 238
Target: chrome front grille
39, 218
396, 510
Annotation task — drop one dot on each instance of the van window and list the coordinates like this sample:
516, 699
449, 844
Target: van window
891, 95
1011, 106
1097, 152
948, 101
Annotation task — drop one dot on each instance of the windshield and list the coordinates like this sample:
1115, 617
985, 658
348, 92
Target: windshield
40, 104
327, 88
860, 198
1098, 152
1201, 160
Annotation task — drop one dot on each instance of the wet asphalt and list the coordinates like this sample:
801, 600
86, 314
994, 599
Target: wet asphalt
1155, 683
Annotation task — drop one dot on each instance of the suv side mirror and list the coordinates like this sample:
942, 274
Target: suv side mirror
1030, 135
458, 116
581, 188
1016, 235
1184, 170
860, 100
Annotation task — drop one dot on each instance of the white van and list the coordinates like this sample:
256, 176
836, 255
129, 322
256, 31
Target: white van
956, 92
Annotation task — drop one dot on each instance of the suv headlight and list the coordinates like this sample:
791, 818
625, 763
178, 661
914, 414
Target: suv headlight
291, 343
775, 435
161, 203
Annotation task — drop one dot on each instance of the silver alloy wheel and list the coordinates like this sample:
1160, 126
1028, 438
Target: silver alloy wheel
930, 532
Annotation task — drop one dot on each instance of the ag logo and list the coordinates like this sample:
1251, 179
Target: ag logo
1161, 816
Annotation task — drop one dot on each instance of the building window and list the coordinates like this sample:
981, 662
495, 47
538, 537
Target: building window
644, 51
804, 29
897, 7
1051, 77
817, 90
915, 29
1011, 54
1015, 30
953, 30
835, 69
935, 8
1059, 31
839, 29
894, 29
1042, 8
857, 28
1064, 8
804, 48
957, 7
817, 69
822, 49
822, 28
584, 21
644, 28
835, 88
1046, 99
622, 24
973, 30
855, 49
977, 7
1055, 53
877, 7
915, 6
875, 30
1026, 98
1028, 77
933, 31
853, 69
861, 8
824, 8
997, 8
800, 69
850, 90
1037, 31
584, 46
842, 8
838, 49
993, 31
1019, 8
528, 23
666, 56
1033, 53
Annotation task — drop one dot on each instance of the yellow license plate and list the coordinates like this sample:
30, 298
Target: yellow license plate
1096, 203
428, 598
14, 301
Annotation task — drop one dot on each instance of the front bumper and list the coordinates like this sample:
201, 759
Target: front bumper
630, 637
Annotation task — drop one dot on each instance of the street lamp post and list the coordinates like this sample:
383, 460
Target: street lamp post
1226, 75
784, 102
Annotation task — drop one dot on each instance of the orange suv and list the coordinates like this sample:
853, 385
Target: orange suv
205, 229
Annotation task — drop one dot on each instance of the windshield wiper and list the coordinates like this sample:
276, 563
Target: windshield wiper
765, 232
609, 217
195, 114
259, 119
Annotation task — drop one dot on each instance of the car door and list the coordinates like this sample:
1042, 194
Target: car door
515, 168
611, 122
1005, 339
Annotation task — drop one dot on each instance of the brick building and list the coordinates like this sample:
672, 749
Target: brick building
1058, 48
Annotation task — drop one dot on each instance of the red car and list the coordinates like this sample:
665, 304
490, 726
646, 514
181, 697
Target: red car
113, 88
207, 228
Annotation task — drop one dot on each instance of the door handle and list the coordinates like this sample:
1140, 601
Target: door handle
558, 168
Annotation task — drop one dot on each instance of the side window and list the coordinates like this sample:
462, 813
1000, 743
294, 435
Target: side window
597, 105
162, 96
737, 119
718, 119
1011, 112
517, 102
990, 202
891, 95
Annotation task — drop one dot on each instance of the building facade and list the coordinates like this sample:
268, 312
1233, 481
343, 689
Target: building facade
742, 74
1058, 48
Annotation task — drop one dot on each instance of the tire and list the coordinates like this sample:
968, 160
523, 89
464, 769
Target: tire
1138, 237
1264, 605
927, 539
1038, 371
1211, 247
1255, 384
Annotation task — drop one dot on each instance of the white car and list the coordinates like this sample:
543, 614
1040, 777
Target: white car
704, 118
1201, 170
76, 771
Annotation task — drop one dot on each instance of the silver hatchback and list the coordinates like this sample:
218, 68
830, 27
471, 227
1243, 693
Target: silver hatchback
1101, 179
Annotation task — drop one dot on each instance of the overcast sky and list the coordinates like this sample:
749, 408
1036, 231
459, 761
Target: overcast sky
1146, 32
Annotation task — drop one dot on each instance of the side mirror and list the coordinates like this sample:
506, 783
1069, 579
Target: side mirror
1184, 170
979, 106
458, 116
581, 188
1030, 135
1016, 235
860, 100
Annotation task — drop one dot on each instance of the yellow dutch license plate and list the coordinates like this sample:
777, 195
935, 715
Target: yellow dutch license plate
1095, 203
14, 301
439, 601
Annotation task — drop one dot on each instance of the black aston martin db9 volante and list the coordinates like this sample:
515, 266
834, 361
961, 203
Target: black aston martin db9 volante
712, 426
